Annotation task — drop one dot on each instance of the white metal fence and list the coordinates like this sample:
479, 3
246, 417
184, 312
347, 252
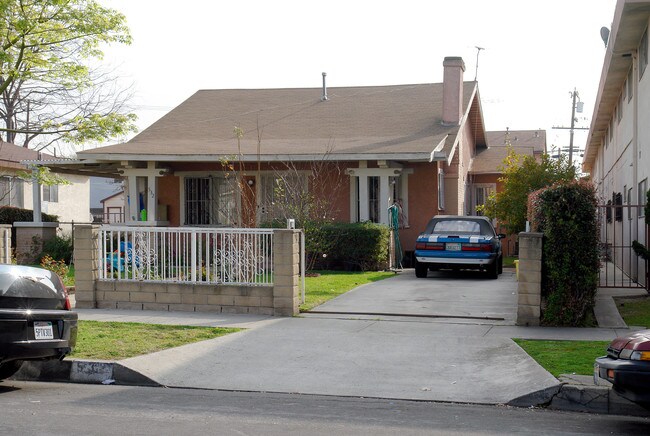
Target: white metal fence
188, 255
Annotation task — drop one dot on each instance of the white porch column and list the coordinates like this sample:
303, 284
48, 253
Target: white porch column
151, 194
36, 196
385, 198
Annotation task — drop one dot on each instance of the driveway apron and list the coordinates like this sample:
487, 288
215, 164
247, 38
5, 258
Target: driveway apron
386, 357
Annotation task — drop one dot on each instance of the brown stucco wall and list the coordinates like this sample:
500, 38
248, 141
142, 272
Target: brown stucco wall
168, 192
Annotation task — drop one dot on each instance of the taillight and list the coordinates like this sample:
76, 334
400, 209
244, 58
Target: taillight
67, 305
477, 247
429, 246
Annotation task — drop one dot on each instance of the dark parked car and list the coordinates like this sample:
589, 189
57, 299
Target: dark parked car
627, 366
36, 320
459, 242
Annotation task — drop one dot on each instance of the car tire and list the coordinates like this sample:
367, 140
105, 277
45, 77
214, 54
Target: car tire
500, 270
421, 270
493, 269
7, 369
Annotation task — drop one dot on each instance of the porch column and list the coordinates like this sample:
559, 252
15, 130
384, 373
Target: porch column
385, 198
36, 196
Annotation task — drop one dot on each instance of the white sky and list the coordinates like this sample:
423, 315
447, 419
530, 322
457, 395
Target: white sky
536, 52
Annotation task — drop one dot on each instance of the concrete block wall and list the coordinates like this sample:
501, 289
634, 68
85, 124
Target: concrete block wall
5, 243
280, 299
530, 279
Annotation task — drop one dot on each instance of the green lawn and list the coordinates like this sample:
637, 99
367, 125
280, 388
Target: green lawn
635, 311
509, 261
564, 357
330, 284
120, 340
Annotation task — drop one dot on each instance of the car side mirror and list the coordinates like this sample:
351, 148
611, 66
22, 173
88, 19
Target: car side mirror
501, 236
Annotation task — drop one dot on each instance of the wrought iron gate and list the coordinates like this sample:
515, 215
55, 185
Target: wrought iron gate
620, 267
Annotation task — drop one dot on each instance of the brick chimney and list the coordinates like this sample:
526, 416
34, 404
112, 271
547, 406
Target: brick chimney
452, 91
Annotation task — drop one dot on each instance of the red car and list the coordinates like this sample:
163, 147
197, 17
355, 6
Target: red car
627, 367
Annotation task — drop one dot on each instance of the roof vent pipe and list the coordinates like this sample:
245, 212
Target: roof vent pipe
324, 96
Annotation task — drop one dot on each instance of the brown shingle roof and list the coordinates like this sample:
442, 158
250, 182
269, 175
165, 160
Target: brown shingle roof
11, 155
389, 120
516, 138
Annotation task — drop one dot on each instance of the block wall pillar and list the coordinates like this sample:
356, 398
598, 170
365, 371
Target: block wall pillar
530, 279
286, 272
85, 264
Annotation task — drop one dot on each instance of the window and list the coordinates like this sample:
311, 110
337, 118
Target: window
283, 196
11, 191
51, 193
630, 84
643, 53
441, 189
373, 199
619, 108
209, 201
643, 188
481, 194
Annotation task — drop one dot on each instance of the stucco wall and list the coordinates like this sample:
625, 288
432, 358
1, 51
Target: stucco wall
74, 200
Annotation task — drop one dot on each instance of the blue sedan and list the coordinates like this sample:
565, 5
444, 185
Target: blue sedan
459, 242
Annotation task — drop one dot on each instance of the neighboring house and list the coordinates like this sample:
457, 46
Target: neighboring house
375, 146
69, 202
617, 153
113, 208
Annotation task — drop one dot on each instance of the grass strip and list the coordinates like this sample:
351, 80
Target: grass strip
121, 340
330, 284
635, 311
564, 357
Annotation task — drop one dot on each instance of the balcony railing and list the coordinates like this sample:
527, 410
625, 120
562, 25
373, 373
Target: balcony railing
186, 255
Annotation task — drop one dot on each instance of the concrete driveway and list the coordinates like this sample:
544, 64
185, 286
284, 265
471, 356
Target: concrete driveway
443, 296
435, 357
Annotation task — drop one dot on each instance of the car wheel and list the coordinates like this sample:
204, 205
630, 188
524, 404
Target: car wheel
500, 271
421, 270
7, 369
493, 270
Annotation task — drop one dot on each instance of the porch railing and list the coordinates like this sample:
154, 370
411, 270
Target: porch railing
186, 255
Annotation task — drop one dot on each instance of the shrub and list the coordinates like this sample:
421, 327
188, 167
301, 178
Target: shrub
59, 267
350, 246
58, 248
566, 214
10, 214
343, 246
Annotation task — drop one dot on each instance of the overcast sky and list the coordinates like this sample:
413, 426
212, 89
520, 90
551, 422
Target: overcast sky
536, 52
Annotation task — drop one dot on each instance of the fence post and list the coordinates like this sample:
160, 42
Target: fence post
86, 265
5, 243
286, 272
530, 279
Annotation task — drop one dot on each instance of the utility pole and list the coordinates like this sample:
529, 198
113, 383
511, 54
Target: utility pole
574, 105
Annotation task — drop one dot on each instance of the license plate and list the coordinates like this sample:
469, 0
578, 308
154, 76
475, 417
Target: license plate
453, 246
43, 330
596, 376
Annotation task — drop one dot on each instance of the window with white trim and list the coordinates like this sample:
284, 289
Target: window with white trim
643, 53
209, 201
643, 189
51, 193
11, 191
480, 194
441, 189
283, 195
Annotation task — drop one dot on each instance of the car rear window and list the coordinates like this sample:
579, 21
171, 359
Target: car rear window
457, 226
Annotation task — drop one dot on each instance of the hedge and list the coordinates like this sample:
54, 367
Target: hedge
566, 215
10, 215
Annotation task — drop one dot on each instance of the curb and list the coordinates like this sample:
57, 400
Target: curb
82, 371
576, 395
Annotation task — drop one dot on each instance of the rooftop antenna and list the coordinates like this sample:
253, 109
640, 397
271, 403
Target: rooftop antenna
478, 51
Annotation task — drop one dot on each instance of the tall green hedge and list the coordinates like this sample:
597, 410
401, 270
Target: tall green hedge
566, 214
10, 214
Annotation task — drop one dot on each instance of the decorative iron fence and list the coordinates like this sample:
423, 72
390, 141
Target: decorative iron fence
186, 255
